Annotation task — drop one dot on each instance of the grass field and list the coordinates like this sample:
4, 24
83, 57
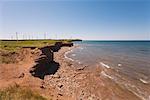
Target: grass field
12, 45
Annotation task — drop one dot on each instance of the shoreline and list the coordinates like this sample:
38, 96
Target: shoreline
133, 90
99, 70
67, 52
69, 82
81, 83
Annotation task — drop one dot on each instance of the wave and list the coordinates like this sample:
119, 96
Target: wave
65, 55
104, 65
81, 48
137, 91
71, 50
144, 81
132, 88
119, 65
143, 78
106, 75
73, 54
79, 62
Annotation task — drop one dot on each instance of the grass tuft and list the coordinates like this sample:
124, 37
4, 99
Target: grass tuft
18, 93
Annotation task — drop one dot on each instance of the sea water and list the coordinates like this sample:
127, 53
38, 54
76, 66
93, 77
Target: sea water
125, 62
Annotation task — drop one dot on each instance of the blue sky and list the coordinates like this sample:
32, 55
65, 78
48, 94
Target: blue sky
86, 19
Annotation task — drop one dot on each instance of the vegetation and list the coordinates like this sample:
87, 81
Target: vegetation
9, 48
12, 45
6, 60
18, 93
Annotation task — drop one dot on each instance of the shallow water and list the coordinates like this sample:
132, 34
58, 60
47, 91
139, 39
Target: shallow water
125, 62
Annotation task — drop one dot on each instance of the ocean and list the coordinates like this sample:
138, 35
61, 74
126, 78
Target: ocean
127, 63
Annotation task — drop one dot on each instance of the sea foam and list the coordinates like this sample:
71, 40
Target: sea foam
81, 48
143, 81
104, 65
106, 75
73, 54
65, 55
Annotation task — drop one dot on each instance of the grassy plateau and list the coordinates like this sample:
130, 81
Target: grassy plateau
13, 45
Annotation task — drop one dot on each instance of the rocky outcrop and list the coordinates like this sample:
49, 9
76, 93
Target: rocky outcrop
48, 53
45, 63
58, 45
69, 44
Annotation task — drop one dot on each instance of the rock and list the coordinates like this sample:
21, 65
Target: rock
69, 64
81, 68
58, 44
60, 85
48, 77
21, 75
60, 94
69, 44
82, 93
56, 47
48, 53
56, 76
119, 65
42, 87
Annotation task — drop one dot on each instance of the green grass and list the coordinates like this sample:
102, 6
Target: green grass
13, 46
8, 47
18, 93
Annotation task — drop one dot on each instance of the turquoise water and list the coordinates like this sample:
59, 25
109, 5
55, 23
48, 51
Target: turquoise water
127, 62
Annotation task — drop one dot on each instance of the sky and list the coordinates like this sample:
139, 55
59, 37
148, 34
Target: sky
83, 19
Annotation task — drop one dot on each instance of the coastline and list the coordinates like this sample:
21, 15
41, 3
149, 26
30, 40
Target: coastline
12, 74
70, 82
77, 83
67, 52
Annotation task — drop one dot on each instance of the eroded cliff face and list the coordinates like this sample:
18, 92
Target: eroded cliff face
48, 51
15, 57
45, 64
37, 63
58, 45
